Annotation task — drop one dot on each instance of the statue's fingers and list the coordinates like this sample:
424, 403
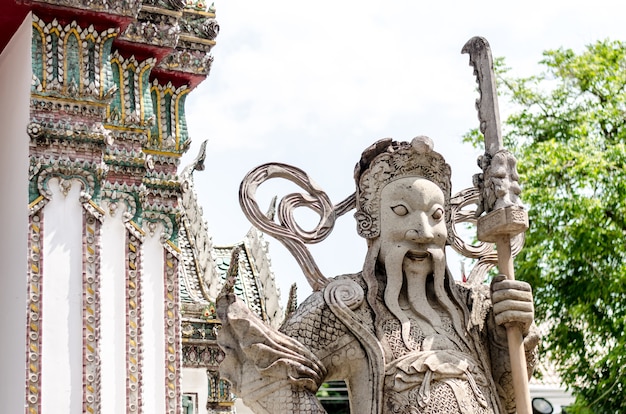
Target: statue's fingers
497, 279
514, 307
504, 284
515, 317
511, 294
522, 319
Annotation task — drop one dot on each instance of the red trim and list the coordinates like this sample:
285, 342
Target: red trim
100, 21
178, 79
11, 18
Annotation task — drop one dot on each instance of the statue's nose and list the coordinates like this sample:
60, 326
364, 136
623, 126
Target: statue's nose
418, 236
420, 233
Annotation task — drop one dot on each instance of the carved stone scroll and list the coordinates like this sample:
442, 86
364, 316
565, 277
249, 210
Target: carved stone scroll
287, 231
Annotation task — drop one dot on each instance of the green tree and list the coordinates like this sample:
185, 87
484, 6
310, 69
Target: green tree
568, 132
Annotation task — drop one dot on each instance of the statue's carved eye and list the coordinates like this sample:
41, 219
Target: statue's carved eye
400, 210
438, 214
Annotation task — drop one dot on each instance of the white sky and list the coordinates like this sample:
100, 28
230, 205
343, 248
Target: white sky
313, 83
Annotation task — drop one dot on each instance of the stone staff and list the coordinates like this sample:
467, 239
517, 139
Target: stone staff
501, 213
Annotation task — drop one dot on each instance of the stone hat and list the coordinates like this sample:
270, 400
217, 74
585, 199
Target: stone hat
386, 161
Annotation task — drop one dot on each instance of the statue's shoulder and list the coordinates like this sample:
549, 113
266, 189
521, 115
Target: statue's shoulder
313, 323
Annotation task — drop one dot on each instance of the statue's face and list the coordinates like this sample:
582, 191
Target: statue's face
411, 250
412, 222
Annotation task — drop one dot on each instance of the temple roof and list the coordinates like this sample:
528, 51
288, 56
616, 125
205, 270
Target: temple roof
203, 265
194, 288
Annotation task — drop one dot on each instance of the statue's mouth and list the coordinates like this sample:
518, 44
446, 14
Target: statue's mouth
416, 255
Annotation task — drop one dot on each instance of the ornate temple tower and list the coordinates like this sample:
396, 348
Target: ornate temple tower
106, 248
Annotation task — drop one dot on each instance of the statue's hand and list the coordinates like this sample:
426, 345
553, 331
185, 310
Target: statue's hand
512, 302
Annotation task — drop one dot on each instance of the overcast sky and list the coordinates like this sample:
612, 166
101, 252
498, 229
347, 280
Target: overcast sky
313, 83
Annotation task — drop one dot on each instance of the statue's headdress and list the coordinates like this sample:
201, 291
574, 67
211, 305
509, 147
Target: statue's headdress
386, 161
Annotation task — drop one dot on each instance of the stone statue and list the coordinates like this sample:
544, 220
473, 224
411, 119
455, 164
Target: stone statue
404, 335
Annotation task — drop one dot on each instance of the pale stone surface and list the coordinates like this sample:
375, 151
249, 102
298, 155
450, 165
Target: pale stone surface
403, 334
15, 64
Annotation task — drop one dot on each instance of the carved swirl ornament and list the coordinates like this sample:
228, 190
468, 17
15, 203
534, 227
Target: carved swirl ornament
288, 231
345, 293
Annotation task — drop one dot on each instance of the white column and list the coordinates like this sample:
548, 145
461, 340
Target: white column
15, 77
113, 312
62, 322
153, 328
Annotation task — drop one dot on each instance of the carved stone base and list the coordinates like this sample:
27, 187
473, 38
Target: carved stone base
507, 221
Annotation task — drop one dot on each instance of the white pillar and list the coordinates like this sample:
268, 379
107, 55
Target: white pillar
153, 333
15, 77
62, 322
113, 312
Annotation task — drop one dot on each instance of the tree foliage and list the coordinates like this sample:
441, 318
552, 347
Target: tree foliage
569, 135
